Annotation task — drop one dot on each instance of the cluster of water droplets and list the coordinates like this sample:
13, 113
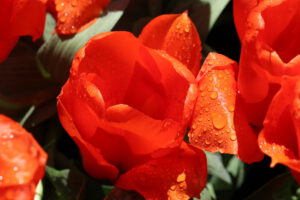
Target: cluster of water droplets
214, 112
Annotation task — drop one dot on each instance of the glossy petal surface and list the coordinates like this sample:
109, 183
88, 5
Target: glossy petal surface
178, 36
75, 15
20, 18
179, 176
22, 161
280, 137
121, 103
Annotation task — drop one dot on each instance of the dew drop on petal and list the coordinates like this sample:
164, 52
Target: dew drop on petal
60, 7
213, 95
181, 177
218, 120
231, 108
233, 137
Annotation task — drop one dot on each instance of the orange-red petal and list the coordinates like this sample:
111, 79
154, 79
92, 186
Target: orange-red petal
20, 18
212, 126
22, 161
121, 99
79, 125
180, 175
178, 36
219, 122
279, 138
270, 44
75, 15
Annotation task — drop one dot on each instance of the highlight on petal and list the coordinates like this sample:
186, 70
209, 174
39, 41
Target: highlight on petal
181, 175
178, 36
75, 15
279, 138
219, 122
22, 161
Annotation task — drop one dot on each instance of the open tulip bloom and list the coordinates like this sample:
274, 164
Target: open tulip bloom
150, 115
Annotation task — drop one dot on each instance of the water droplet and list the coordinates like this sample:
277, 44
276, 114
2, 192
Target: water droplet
231, 108
233, 137
207, 142
213, 95
218, 120
60, 7
220, 141
181, 177
202, 88
16, 168
186, 29
62, 18
1, 178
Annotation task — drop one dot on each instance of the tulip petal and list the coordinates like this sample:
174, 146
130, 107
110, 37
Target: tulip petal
177, 176
136, 79
20, 18
270, 44
280, 137
241, 10
212, 123
248, 149
177, 35
75, 15
83, 125
219, 122
22, 161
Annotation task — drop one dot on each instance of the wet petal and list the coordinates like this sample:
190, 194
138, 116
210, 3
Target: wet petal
75, 15
212, 126
22, 161
283, 116
180, 175
178, 36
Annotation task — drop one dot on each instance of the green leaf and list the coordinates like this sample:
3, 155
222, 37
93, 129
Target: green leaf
237, 170
216, 8
216, 168
281, 187
59, 179
39, 191
49, 27
208, 193
55, 56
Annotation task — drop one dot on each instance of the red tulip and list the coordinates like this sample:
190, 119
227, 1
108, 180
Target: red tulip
22, 161
73, 16
127, 105
20, 18
279, 139
269, 34
218, 122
